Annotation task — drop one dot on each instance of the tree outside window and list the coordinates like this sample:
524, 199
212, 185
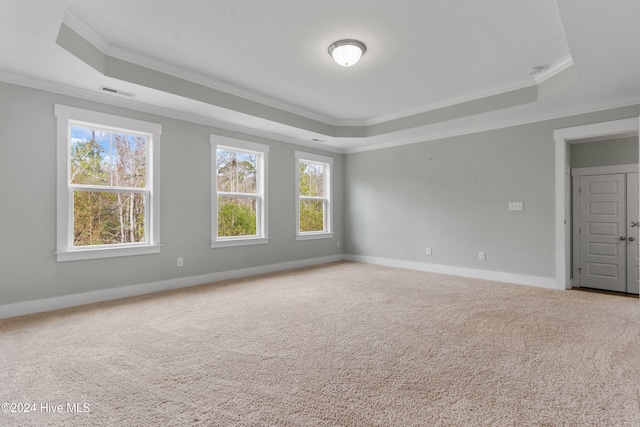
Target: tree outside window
313, 205
237, 193
239, 214
107, 171
312, 201
108, 185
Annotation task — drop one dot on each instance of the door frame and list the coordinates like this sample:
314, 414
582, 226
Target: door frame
576, 174
563, 138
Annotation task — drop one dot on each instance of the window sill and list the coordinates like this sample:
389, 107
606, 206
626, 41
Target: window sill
313, 236
96, 253
246, 241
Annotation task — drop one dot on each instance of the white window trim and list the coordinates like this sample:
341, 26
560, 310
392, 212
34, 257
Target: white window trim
262, 227
328, 179
66, 251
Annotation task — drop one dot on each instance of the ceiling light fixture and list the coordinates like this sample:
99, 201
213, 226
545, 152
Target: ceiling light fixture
347, 52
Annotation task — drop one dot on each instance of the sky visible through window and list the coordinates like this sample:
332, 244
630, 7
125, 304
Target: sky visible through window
107, 158
101, 158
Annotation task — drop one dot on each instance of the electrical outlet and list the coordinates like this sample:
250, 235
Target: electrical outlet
429, 251
180, 261
482, 256
516, 206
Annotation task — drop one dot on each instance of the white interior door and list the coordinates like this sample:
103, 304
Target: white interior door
633, 217
603, 232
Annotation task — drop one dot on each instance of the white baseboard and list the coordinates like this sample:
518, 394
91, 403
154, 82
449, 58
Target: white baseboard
66, 301
498, 276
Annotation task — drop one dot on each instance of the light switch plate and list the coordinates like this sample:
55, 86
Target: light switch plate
516, 206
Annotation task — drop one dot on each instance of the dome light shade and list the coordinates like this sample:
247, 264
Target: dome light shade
347, 52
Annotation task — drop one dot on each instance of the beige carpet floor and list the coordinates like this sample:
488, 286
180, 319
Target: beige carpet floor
343, 344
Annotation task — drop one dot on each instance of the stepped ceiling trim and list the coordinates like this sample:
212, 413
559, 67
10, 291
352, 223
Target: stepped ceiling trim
121, 64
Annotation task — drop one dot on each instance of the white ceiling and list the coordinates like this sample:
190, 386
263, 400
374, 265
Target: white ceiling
421, 56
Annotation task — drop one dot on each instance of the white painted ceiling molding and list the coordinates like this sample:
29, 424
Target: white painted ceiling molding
555, 68
143, 60
135, 105
431, 70
131, 104
489, 125
160, 78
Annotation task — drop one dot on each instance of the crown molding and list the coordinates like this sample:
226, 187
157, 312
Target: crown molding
533, 118
557, 67
193, 76
131, 104
473, 96
114, 100
85, 32
346, 122
143, 60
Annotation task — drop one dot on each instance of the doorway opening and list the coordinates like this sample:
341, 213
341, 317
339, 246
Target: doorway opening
564, 223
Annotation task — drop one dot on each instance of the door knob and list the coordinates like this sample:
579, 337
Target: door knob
622, 238
631, 239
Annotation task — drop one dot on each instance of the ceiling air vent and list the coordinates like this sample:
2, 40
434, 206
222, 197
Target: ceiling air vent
117, 91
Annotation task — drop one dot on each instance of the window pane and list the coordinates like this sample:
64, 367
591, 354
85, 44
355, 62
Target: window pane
311, 179
101, 157
225, 170
128, 161
102, 218
311, 215
90, 156
237, 216
236, 172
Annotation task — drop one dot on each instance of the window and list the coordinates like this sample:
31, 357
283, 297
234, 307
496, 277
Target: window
239, 202
108, 189
313, 193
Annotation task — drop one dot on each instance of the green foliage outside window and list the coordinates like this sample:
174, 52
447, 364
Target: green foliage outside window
236, 217
237, 186
102, 218
105, 159
311, 216
311, 185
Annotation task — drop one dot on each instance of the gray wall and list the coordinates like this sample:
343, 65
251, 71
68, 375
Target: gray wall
452, 194
28, 268
622, 151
